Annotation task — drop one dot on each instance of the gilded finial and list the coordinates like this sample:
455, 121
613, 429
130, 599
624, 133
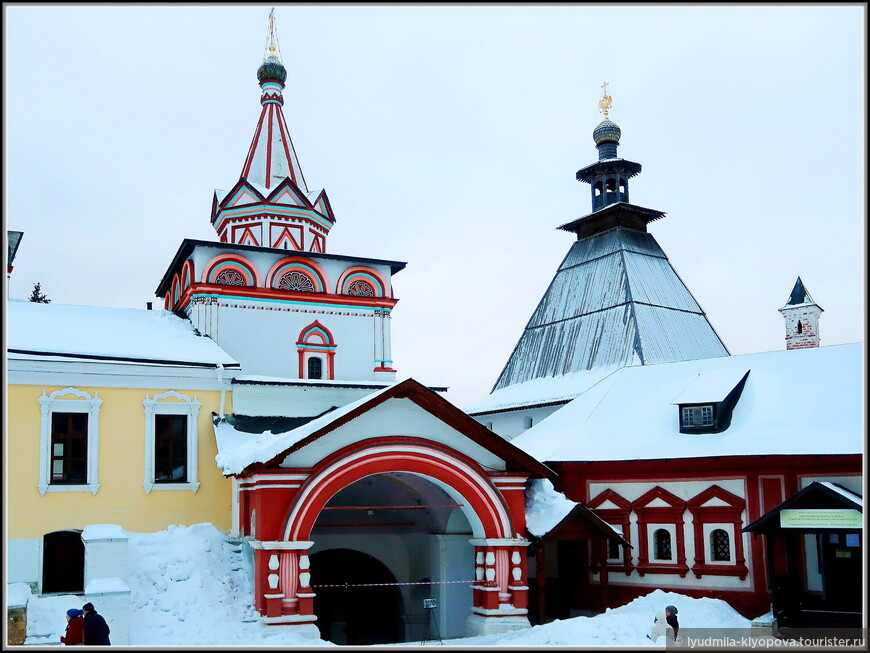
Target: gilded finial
606, 101
272, 49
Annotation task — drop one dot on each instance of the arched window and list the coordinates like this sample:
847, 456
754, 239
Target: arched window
622, 185
720, 546
230, 278
597, 188
611, 185
296, 281
315, 368
662, 542
800, 327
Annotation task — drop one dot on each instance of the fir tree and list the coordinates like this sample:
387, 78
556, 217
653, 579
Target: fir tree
37, 296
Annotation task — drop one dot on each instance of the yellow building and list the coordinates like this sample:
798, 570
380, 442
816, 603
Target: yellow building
109, 421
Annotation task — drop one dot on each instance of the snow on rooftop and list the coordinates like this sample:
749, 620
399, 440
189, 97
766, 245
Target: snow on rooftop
851, 496
237, 449
191, 586
157, 335
545, 507
807, 401
104, 532
540, 391
711, 386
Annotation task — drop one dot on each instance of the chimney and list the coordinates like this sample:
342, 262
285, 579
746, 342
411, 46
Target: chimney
148, 305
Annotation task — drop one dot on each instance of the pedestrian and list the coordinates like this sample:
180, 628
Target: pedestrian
96, 628
665, 623
75, 628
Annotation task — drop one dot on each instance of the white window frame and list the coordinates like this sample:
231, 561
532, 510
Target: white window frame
183, 405
619, 550
708, 545
53, 403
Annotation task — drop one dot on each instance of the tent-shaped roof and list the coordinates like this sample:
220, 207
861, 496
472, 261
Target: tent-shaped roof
615, 301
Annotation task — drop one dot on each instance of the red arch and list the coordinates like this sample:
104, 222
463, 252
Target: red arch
413, 456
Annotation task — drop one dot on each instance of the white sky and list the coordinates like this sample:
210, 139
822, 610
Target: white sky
448, 137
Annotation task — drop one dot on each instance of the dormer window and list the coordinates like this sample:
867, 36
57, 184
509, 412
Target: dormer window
707, 403
696, 416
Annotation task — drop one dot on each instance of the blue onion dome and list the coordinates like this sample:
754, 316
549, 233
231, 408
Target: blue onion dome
272, 68
607, 131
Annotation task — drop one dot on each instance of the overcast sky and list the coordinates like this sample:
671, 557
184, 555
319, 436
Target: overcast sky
448, 137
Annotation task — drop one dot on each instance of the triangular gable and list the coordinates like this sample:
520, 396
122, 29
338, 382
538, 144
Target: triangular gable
247, 238
816, 495
323, 207
656, 498
317, 243
420, 395
244, 191
294, 241
288, 193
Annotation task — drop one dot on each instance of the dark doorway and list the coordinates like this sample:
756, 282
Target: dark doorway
353, 615
841, 567
63, 562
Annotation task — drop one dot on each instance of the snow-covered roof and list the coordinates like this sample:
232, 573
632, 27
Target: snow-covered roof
545, 507
848, 494
35, 329
807, 401
546, 390
238, 449
711, 386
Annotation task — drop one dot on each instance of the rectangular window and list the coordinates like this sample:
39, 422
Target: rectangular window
170, 449
698, 416
69, 448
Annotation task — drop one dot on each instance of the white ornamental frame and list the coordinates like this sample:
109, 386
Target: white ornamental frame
54, 404
183, 406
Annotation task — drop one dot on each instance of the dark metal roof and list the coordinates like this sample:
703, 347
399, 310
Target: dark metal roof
618, 214
593, 170
188, 245
614, 301
261, 423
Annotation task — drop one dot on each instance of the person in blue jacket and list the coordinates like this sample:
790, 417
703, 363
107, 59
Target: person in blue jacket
96, 628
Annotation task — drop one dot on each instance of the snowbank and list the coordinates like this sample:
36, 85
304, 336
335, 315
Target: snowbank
189, 586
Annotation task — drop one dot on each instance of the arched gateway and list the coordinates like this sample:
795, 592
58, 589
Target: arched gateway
403, 477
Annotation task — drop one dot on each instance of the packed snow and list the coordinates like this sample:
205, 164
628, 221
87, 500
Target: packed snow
189, 587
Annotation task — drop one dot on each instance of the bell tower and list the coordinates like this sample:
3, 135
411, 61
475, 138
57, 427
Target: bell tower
801, 315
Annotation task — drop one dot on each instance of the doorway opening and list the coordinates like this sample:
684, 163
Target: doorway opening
353, 615
63, 562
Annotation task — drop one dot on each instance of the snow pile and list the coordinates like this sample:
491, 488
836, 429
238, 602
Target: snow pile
190, 586
627, 625
545, 507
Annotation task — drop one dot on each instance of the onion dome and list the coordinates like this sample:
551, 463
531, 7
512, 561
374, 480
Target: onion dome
272, 69
607, 131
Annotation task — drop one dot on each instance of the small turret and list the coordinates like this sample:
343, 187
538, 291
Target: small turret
609, 176
801, 315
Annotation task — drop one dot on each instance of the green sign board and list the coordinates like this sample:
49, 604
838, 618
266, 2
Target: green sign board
820, 518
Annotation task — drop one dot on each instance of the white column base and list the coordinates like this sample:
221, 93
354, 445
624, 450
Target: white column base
477, 625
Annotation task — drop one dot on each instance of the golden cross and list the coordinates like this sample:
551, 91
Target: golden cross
606, 101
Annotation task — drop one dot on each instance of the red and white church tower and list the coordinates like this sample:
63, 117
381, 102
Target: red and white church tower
355, 497
329, 314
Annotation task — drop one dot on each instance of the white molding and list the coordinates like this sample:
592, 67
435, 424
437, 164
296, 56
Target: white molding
183, 406
54, 403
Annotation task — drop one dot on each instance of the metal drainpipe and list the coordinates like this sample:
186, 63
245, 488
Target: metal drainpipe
220, 376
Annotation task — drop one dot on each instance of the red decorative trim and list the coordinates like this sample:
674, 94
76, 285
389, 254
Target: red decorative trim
730, 514
319, 280
382, 455
307, 347
672, 514
246, 292
620, 515
345, 278
241, 264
